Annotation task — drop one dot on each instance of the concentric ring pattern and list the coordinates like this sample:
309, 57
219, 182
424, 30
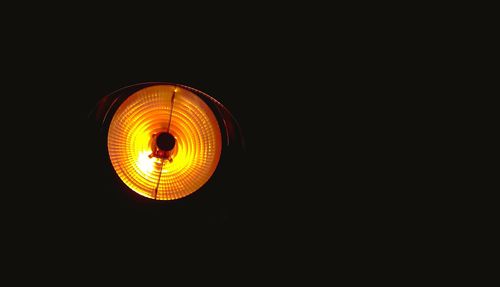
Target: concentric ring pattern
131, 145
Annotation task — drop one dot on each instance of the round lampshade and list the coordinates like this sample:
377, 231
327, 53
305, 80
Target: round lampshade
164, 142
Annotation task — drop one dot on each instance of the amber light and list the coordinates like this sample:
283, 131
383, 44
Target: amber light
157, 170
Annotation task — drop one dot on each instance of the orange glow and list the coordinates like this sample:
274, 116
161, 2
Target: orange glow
131, 142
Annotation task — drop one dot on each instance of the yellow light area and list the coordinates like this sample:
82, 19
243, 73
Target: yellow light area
131, 143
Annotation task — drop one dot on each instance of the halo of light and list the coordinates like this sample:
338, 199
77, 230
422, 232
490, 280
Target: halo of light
131, 142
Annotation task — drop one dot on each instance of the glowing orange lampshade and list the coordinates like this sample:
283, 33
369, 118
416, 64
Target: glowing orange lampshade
164, 142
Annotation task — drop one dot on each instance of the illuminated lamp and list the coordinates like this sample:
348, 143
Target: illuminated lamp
164, 140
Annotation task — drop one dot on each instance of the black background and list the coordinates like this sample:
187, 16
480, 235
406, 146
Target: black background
330, 102
299, 83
